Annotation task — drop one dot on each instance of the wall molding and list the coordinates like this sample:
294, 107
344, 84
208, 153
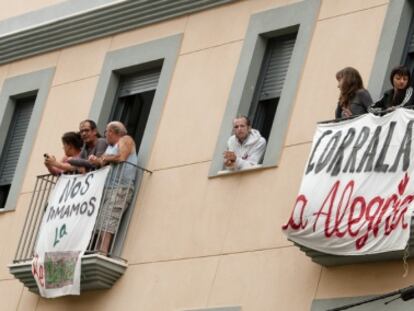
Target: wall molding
94, 24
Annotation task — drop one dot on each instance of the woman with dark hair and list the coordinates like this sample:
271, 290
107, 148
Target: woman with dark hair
401, 93
72, 144
353, 98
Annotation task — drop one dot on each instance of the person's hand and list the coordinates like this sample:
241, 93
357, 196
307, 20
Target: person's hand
229, 158
346, 112
50, 160
94, 159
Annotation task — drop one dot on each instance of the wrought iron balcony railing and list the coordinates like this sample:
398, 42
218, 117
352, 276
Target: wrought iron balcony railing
100, 269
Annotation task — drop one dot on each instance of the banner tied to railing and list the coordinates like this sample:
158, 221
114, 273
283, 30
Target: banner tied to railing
66, 231
357, 189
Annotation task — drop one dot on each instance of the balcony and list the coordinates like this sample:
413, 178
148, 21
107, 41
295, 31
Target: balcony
98, 270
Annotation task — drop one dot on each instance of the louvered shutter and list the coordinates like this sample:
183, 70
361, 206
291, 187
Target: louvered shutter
275, 66
14, 140
138, 83
410, 48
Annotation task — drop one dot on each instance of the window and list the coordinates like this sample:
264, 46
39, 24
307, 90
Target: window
13, 145
133, 103
132, 88
270, 83
274, 51
22, 99
408, 57
395, 45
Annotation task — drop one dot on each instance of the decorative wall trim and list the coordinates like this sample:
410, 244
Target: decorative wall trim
104, 21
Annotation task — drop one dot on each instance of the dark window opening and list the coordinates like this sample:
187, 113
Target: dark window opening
4, 192
408, 57
133, 104
133, 112
264, 116
270, 83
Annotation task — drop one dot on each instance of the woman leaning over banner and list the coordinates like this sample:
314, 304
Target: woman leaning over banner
401, 94
354, 99
72, 144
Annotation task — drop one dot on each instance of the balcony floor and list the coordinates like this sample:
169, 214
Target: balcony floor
97, 272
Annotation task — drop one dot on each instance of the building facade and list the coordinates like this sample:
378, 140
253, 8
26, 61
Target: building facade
177, 73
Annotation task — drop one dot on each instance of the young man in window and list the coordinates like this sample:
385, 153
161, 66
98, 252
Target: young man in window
245, 148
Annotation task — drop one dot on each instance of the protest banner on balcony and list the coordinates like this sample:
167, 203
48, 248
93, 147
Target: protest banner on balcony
66, 231
357, 189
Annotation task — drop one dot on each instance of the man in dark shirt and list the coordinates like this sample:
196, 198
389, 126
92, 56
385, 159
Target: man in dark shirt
93, 144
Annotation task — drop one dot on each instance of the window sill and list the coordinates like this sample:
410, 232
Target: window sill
259, 167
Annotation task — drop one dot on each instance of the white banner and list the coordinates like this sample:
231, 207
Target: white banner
65, 232
357, 189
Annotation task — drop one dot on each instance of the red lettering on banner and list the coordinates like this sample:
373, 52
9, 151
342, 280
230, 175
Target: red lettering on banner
342, 215
301, 201
38, 271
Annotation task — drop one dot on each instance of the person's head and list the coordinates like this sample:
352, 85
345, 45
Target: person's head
241, 127
349, 81
88, 131
400, 78
114, 131
72, 143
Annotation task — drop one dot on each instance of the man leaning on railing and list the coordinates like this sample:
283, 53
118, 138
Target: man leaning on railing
119, 189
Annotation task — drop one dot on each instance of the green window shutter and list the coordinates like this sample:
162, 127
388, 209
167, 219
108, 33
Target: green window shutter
138, 83
275, 66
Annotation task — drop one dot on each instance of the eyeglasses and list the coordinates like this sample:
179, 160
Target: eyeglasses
85, 130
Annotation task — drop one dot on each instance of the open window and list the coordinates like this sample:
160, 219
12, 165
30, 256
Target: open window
268, 75
270, 82
134, 100
132, 88
408, 56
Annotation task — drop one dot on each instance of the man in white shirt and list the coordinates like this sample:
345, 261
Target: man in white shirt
245, 148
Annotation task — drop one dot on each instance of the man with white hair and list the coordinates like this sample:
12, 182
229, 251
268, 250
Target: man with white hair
119, 191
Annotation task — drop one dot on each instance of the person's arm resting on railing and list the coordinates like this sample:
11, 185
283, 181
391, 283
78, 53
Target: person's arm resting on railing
125, 144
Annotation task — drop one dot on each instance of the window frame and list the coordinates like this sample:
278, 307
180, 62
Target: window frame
300, 17
392, 45
35, 83
127, 60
